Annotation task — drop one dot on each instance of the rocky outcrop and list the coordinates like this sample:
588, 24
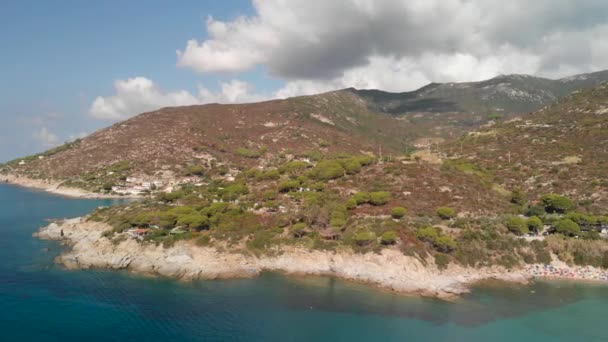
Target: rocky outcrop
389, 269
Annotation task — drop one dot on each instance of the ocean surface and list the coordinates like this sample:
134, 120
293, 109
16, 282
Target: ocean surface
40, 301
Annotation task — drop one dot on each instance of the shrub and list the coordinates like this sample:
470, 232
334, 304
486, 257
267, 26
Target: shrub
289, 185
351, 203
269, 195
398, 212
517, 225
273, 205
171, 196
298, 230
536, 210
535, 224
428, 234
261, 240
233, 191
351, 166
442, 261
389, 238
557, 203
518, 197
567, 227
120, 166
361, 197
445, 243
250, 153
446, 213
272, 174
327, 170
293, 167
338, 217
193, 221
364, 159
582, 219
364, 238
379, 198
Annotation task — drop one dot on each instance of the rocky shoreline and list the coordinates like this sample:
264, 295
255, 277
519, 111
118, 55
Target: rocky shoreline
54, 187
389, 270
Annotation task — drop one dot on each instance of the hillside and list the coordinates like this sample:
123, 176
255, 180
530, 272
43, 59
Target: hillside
504, 94
446, 110
474, 204
326, 173
562, 148
219, 137
171, 144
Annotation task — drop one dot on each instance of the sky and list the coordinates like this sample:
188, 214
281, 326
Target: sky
68, 67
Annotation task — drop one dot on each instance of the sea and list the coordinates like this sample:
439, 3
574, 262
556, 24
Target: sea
41, 301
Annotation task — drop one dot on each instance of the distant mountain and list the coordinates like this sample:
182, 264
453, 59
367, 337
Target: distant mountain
505, 94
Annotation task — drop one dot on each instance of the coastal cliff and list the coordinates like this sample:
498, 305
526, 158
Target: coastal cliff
389, 269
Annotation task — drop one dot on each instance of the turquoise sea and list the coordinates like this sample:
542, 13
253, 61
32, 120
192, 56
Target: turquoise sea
40, 301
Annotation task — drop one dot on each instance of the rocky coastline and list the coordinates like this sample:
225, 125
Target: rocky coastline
88, 248
54, 187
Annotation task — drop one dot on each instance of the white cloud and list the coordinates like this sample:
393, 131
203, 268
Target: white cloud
46, 137
137, 95
235, 91
403, 44
234, 46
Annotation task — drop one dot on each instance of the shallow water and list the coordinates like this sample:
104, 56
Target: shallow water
41, 301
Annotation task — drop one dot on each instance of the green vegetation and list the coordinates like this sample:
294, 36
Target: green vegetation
389, 238
446, 213
518, 197
435, 236
442, 261
361, 198
398, 212
298, 230
377, 198
567, 227
250, 153
517, 225
364, 238
557, 203
535, 224
327, 170
300, 204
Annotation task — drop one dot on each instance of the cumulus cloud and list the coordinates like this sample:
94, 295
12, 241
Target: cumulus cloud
235, 91
46, 137
403, 44
137, 95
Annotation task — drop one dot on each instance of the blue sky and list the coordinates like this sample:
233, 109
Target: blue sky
57, 56
68, 67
